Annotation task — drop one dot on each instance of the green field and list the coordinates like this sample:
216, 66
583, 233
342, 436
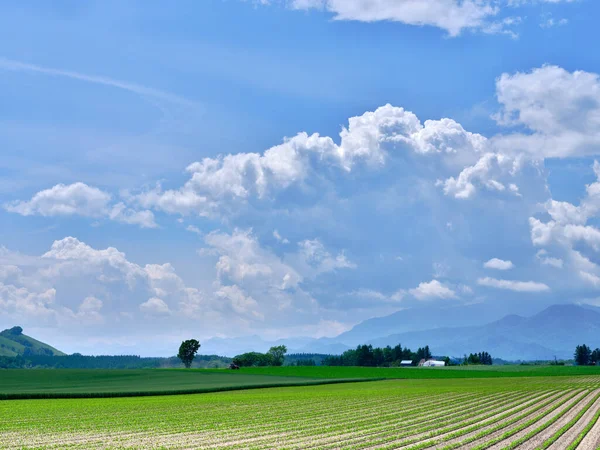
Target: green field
540, 412
426, 372
67, 383
53, 383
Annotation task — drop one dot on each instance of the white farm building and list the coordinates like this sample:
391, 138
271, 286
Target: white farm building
433, 363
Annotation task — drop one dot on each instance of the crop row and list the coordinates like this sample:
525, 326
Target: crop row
409, 414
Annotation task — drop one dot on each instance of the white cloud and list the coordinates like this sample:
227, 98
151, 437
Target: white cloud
454, 16
560, 108
551, 22
377, 296
320, 260
62, 200
279, 238
155, 306
498, 264
194, 229
546, 260
81, 200
369, 141
120, 213
433, 289
240, 301
517, 286
19, 302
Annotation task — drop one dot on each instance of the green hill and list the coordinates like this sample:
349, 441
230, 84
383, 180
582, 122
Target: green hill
14, 343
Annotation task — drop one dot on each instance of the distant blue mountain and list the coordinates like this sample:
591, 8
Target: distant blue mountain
555, 331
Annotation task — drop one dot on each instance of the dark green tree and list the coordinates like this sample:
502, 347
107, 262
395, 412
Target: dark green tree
596, 357
187, 352
583, 355
277, 355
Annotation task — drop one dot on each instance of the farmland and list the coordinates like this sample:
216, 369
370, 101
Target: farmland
556, 412
81, 383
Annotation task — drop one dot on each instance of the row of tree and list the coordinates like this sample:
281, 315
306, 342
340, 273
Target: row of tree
369, 356
78, 361
584, 356
483, 358
274, 357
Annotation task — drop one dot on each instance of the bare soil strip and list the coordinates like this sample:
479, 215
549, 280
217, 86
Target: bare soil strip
592, 439
566, 439
357, 438
331, 430
537, 440
465, 437
467, 421
566, 405
408, 423
498, 433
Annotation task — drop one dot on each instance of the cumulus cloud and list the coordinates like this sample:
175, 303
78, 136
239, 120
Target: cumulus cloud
511, 285
64, 200
560, 108
79, 199
432, 290
367, 144
155, 306
47, 291
498, 264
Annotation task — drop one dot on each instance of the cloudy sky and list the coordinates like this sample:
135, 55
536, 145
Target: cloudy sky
292, 167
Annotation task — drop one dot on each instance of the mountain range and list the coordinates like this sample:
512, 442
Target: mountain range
553, 332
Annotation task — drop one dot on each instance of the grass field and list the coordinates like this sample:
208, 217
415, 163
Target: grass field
53, 383
479, 413
425, 372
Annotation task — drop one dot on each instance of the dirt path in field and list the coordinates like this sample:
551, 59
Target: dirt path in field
565, 440
464, 437
592, 439
502, 444
537, 440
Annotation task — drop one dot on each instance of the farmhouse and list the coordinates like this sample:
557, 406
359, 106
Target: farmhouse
431, 363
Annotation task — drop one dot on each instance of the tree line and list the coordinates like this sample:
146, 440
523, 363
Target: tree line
369, 356
584, 356
78, 361
274, 357
482, 358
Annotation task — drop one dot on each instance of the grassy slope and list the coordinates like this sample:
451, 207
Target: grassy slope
42, 383
425, 372
16, 345
9, 347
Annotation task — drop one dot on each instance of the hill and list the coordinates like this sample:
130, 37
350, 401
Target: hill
14, 343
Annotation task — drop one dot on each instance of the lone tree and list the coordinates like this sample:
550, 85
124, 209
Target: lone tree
187, 352
277, 355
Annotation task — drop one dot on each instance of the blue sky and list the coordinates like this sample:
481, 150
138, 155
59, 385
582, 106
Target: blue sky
161, 176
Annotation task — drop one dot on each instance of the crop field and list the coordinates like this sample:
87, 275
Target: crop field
80, 383
478, 413
508, 371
